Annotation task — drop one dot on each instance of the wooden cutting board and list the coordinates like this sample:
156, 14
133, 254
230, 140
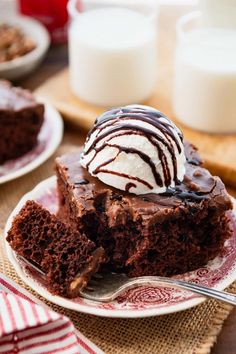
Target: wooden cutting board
219, 151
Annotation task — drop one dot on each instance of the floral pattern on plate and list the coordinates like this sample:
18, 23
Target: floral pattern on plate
139, 302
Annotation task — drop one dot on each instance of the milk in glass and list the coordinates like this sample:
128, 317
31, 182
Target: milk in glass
205, 80
112, 56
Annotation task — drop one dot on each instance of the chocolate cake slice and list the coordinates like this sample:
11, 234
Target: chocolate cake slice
152, 234
66, 257
21, 118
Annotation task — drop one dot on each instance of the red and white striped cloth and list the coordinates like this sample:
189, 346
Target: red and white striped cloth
27, 326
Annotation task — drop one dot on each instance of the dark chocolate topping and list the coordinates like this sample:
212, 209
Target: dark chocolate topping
82, 181
198, 185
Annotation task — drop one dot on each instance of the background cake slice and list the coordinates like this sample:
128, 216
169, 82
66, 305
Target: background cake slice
21, 118
67, 258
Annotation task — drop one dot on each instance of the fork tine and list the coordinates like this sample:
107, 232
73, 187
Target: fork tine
97, 276
114, 284
108, 291
89, 288
32, 264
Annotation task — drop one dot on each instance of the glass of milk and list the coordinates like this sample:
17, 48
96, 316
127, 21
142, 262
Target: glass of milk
113, 51
204, 90
219, 12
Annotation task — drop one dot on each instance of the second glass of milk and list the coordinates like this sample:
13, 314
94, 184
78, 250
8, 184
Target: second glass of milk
113, 54
204, 96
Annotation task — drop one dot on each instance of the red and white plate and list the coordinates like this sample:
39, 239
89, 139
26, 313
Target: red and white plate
49, 139
140, 302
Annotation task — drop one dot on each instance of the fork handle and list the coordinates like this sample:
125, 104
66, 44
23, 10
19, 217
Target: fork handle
179, 284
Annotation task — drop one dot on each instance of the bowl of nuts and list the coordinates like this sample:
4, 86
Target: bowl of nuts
23, 43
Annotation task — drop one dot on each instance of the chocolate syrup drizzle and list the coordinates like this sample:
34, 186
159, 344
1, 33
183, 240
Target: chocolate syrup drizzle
183, 195
81, 182
154, 118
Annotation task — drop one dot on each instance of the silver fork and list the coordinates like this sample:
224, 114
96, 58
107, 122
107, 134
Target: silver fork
106, 287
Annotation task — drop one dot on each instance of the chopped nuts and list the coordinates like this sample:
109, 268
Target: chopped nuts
13, 43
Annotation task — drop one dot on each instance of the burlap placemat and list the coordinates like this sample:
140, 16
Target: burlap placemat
188, 332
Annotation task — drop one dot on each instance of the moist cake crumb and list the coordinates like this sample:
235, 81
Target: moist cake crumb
67, 257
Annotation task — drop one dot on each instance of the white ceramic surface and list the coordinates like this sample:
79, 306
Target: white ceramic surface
140, 302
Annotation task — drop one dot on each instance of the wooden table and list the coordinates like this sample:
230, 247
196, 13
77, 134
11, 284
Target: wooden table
56, 60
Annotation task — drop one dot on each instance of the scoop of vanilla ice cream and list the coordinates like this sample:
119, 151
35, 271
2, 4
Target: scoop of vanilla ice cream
136, 149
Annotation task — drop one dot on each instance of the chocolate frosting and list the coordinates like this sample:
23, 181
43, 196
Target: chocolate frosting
198, 186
